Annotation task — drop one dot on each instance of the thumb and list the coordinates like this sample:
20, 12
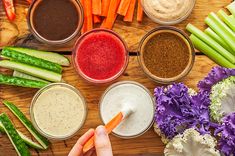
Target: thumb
102, 142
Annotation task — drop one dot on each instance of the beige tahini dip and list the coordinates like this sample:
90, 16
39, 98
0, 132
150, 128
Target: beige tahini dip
168, 10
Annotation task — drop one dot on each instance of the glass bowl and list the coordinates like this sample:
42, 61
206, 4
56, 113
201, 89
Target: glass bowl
32, 115
144, 90
185, 38
32, 29
167, 22
89, 79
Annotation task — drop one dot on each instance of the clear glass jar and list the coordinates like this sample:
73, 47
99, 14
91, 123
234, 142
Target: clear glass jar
96, 81
67, 40
35, 122
152, 14
175, 31
146, 122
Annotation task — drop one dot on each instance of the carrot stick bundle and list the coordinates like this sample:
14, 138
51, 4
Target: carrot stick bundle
130, 12
123, 7
105, 7
88, 14
96, 19
139, 12
96, 7
84, 27
112, 14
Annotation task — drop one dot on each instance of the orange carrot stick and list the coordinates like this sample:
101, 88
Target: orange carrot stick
105, 7
139, 12
96, 19
130, 12
84, 27
112, 14
88, 14
109, 127
96, 7
123, 7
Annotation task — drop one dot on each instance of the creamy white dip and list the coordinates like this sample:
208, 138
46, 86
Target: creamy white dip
133, 96
59, 111
168, 10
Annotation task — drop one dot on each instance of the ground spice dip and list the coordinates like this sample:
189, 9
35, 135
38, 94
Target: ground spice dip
55, 21
166, 54
58, 111
100, 56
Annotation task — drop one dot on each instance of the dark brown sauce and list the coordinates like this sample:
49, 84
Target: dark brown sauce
55, 19
166, 55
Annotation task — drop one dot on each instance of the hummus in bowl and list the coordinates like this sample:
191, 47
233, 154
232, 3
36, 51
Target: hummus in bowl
168, 12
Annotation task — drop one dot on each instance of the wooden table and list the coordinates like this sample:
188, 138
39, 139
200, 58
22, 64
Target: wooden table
149, 143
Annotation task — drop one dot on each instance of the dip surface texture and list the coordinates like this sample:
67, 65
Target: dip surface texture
168, 10
165, 54
132, 96
100, 55
59, 111
55, 19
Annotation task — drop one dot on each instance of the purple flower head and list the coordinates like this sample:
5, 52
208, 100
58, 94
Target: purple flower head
177, 110
226, 131
216, 75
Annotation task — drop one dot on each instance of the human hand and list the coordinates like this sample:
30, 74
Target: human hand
102, 143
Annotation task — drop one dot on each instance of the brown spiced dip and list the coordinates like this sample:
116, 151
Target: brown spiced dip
56, 20
166, 54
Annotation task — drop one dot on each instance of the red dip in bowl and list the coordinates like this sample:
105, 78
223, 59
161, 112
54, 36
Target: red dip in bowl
100, 56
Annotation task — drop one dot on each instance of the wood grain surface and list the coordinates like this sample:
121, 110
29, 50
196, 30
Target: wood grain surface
149, 143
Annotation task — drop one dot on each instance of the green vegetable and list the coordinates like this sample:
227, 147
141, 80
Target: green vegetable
221, 29
31, 60
230, 21
22, 82
218, 39
26, 76
211, 53
210, 42
34, 71
14, 137
49, 56
231, 8
42, 140
30, 142
26, 140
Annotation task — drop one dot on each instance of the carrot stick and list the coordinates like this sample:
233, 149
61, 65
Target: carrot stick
88, 14
105, 7
139, 12
96, 7
109, 127
96, 19
112, 14
130, 12
123, 7
103, 23
84, 27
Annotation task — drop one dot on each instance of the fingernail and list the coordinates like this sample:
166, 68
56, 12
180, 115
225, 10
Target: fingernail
100, 131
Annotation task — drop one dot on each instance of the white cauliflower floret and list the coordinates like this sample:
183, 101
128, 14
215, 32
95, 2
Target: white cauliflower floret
222, 98
191, 143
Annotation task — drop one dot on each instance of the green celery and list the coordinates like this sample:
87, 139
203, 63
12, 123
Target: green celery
221, 29
228, 20
218, 39
231, 8
209, 41
210, 52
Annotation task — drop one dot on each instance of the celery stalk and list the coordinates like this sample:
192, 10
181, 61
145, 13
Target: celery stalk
218, 39
231, 8
221, 29
210, 52
228, 20
209, 41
